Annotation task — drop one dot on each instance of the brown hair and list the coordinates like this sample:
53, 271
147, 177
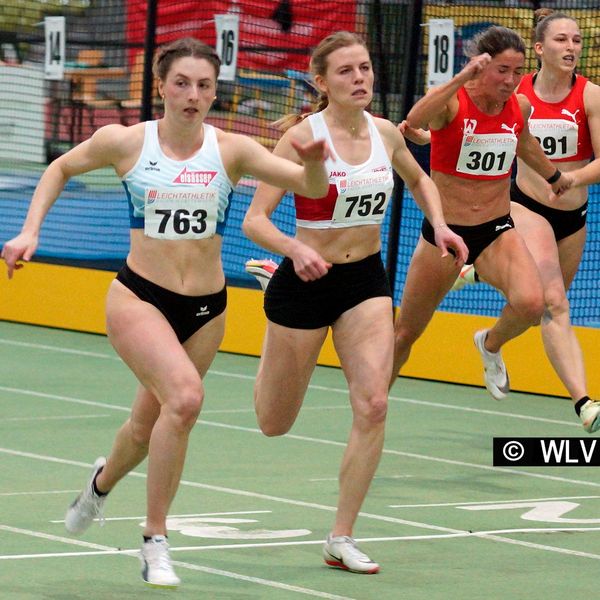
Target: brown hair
188, 46
318, 66
495, 40
542, 18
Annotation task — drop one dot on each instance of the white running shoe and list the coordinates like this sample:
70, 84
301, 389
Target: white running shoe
496, 377
341, 552
590, 416
87, 506
467, 276
262, 269
157, 570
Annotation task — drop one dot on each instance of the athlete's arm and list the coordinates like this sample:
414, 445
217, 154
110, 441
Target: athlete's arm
307, 176
591, 172
103, 149
258, 227
423, 190
531, 153
439, 106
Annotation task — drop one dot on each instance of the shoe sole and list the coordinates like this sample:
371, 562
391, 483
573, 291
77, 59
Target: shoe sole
161, 586
496, 393
336, 563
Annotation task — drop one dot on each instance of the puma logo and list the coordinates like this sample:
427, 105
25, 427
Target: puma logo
505, 127
573, 116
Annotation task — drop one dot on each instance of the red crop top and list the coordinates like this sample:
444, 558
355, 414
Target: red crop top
475, 145
561, 128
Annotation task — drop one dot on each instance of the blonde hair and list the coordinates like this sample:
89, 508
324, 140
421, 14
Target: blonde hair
318, 66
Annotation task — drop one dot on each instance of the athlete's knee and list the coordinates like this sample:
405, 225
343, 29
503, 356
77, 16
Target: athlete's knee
372, 410
140, 433
184, 403
531, 308
557, 304
404, 335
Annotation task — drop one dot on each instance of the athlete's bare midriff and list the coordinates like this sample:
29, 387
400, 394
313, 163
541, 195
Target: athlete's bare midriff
189, 267
472, 201
343, 245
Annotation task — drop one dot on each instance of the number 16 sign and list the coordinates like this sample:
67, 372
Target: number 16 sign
441, 51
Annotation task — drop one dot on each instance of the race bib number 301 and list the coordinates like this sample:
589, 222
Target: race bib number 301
185, 214
489, 154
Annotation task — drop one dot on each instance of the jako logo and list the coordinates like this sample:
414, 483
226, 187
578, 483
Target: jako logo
195, 177
337, 174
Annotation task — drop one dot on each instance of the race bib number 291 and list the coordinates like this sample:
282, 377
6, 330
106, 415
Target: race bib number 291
180, 215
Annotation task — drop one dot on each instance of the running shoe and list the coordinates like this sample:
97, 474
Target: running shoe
87, 506
467, 276
341, 552
262, 269
590, 416
496, 377
157, 570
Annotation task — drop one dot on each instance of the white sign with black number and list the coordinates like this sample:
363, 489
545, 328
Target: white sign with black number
228, 29
441, 51
54, 62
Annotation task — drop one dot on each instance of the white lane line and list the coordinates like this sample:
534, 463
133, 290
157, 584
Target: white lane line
322, 441
194, 515
328, 389
107, 550
438, 504
41, 493
54, 418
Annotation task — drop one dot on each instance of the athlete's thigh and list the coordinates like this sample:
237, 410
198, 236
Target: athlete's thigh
203, 345
364, 340
541, 243
428, 280
570, 251
145, 340
508, 265
287, 362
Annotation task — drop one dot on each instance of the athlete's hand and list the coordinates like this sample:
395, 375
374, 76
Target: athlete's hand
446, 240
561, 185
308, 263
312, 151
475, 66
20, 248
417, 136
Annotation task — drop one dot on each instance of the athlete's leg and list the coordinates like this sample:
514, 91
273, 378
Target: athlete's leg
287, 362
364, 340
428, 280
148, 345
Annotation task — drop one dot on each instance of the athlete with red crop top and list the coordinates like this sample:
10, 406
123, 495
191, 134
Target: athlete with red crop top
565, 117
477, 127
333, 275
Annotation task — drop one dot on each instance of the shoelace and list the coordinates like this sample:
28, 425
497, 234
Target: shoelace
353, 550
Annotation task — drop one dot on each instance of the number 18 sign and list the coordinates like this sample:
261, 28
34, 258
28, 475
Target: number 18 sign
441, 51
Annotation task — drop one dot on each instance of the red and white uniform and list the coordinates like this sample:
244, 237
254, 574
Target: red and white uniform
560, 127
358, 194
475, 145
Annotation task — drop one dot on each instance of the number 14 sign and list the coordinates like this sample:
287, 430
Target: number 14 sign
441, 51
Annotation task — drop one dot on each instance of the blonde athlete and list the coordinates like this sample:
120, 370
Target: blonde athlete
166, 309
333, 275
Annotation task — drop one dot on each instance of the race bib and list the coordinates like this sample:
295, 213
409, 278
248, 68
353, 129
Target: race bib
490, 154
557, 137
180, 214
363, 199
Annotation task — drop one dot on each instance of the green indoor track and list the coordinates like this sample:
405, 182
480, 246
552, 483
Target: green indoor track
252, 512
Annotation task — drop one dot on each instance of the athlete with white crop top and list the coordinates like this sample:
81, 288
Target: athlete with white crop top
477, 126
333, 275
166, 308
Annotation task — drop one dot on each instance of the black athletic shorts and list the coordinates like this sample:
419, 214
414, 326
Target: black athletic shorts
293, 303
476, 237
564, 222
186, 314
